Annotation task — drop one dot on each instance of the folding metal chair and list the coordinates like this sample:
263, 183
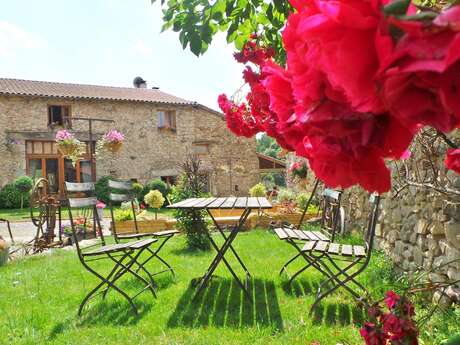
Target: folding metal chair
328, 229
122, 191
122, 256
356, 256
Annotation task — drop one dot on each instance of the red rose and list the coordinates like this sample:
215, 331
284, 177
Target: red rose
372, 335
331, 51
392, 326
452, 161
422, 78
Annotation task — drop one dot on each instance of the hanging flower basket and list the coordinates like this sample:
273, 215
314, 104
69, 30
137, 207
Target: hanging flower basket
113, 147
299, 170
67, 144
112, 142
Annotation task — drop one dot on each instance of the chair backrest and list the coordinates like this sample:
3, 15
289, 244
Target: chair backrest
331, 210
372, 221
121, 191
78, 198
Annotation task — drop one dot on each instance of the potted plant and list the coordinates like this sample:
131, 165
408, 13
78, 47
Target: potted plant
69, 146
155, 200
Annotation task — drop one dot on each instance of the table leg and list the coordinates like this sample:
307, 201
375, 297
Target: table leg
221, 256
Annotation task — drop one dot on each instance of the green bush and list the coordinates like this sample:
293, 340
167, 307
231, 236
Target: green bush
192, 222
24, 184
137, 189
121, 215
258, 190
10, 197
102, 189
156, 184
285, 195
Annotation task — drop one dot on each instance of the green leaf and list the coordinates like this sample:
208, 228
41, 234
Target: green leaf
397, 7
195, 44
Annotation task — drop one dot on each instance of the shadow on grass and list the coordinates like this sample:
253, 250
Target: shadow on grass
104, 313
223, 304
337, 313
300, 287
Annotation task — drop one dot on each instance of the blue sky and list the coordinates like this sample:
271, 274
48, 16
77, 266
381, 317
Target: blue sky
109, 42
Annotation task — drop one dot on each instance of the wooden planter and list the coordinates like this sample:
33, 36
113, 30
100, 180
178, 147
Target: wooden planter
127, 226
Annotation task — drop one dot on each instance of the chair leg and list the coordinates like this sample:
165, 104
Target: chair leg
154, 254
287, 263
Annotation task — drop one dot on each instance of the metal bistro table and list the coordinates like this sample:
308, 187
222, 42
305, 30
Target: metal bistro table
237, 203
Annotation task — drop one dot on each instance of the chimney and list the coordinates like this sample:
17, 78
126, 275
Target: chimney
139, 83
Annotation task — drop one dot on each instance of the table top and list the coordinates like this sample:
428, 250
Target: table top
223, 203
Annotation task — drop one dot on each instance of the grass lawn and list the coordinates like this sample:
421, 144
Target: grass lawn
39, 298
18, 214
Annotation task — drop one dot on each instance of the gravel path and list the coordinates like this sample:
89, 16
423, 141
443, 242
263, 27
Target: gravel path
25, 231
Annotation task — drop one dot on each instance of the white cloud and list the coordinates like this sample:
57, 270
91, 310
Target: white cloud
13, 39
140, 47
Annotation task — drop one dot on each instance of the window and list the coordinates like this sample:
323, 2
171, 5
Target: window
200, 149
59, 115
167, 120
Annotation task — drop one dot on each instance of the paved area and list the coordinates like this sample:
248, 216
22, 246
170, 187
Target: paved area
25, 231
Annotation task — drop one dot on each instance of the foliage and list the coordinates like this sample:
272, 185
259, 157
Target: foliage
69, 146
285, 195
198, 21
122, 215
156, 184
268, 146
299, 170
137, 190
24, 184
12, 197
302, 200
191, 222
154, 199
258, 190
102, 189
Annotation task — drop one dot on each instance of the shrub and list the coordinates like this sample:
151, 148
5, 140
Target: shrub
102, 189
258, 190
121, 215
192, 222
24, 184
137, 190
156, 184
302, 199
285, 195
154, 199
10, 197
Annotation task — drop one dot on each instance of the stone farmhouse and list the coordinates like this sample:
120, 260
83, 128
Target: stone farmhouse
160, 130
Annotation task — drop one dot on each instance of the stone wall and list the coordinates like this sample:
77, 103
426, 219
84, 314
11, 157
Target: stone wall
148, 153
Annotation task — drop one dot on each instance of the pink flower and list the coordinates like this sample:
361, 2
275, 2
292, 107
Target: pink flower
100, 204
391, 299
392, 326
64, 135
452, 161
114, 136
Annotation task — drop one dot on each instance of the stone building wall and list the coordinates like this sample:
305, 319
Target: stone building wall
148, 153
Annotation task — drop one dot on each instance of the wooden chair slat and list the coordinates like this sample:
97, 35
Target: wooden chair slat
334, 248
120, 197
308, 246
347, 250
321, 246
82, 202
301, 235
281, 233
321, 236
359, 251
332, 194
79, 187
122, 185
312, 235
